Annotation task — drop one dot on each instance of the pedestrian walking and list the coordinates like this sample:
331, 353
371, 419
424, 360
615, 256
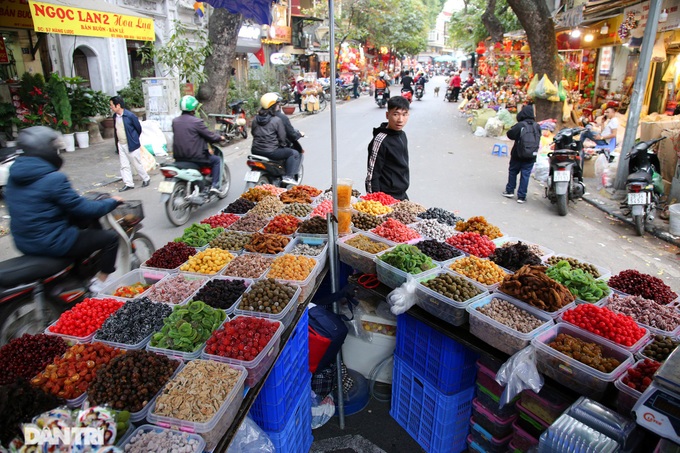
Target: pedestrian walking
299, 89
527, 136
126, 133
455, 86
355, 85
388, 169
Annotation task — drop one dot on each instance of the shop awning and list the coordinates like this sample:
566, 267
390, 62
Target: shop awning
83, 18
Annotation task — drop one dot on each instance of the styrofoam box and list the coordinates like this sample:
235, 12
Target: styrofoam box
311, 241
501, 336
306, 285
285, 316
545, 251
212, 430
358, 259
390, 275
572, 373
145, 276
441, 306
604, 272
259, 365
230, 310
364, 356
187, 276
632, 349
200, 445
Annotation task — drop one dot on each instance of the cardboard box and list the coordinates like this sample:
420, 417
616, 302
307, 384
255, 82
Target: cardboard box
653, 129
668, 151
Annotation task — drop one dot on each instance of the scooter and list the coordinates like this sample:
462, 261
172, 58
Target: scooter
268, 171
565, 179
420, 90
408, 94
187, 186
7, 157
643, 197
380, 97
231, 126
35, 290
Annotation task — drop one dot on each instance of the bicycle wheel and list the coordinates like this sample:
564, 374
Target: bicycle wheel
322, 103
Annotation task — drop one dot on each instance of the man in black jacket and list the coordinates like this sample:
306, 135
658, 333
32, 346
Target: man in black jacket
190, 138
292, 135
519, 165
388, 170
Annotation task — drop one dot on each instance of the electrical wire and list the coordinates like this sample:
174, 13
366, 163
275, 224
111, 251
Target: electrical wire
372, 377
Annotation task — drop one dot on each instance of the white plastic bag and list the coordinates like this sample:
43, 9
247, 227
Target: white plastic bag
601, 165
519, 373
541, 168
322, 409
249, 438
480, 132
404, 297
493, 127
153, 139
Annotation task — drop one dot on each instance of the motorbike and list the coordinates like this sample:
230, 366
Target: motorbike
187, 186
420, 90
7, 157
408, 94
231, 126
381, 97
565, 174
269, 171
642, 195
35, 290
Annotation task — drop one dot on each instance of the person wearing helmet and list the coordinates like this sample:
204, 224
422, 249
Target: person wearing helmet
406, 82
44, 208
270, 140
190, 140
381, 84
292, 135
126, 133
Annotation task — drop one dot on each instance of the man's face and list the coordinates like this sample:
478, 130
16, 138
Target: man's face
609, 113
116, 108
396, 119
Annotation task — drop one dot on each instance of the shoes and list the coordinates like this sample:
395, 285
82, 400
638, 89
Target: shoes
97, 286
215, 190
508, 195
521, 200
124, 188
288, 180
146, 183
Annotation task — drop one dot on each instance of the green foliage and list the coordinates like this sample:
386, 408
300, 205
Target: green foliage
181, 54
466, 28
8, 117
37, 110
59, 98
261, 81
133, 94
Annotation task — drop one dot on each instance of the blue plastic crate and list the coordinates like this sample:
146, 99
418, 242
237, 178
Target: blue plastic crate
438, 422
296, 436
442, 361
276, 400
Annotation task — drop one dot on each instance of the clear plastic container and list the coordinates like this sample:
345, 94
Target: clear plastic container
441, 306
553, 314
492, 287
212, 430
547, 404
492, 402
390, 275
87, 339
489, 443
259, 365
604, 272
641, 353
604, 420
632, 349
187, 276
321, 256
498, 335
529, 422
522, 440
486, 375
145, 276
652, 330
306, 285
160, 269
286, 315
545, 251
496, 426
627, 397
129, 347
200, 443
569, 371
358, 259
230, 310
226, 272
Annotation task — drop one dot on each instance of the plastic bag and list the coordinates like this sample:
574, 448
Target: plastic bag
354, 315
322, 409
659, 51
404, 297
566, 111
493, 127
601, 164
658, 183
550, 88
148, 161
562, 92
541, 168
519, 373
531, 91
507, 118
153, 139
480, 132
462, 105
249, 438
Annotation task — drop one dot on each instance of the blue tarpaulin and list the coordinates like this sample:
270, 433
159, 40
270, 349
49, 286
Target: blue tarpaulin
257, 10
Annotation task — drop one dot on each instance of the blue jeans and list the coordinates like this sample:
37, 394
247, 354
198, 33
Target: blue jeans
591, 135
215, 165
523, 167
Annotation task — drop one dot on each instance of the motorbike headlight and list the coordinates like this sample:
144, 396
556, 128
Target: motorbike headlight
240, 122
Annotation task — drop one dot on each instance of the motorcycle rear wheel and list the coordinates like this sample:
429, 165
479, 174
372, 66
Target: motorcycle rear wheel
226, 182
562, 201
639, 221
142, 248
244, 132
21, 316
176, 208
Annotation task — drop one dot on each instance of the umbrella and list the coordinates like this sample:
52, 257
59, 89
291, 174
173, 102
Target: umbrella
257, 10
443, 58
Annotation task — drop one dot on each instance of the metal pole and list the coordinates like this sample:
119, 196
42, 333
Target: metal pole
333, 225
636, 101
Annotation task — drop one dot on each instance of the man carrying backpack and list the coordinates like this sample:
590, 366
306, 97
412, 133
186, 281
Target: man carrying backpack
527, 136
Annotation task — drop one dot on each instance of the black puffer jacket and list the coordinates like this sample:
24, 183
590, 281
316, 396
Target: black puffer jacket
269, 134
388, 162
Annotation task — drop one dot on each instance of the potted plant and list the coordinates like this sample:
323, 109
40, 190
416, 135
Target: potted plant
59, 98
8, 119
133, 95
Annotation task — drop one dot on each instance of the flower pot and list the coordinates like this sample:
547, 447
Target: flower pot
108, 128
140, 112
83, 139
69, 142
288, 109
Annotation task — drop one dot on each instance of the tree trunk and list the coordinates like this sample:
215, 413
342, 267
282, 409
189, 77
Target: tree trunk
491, 22
223, 33
538, 25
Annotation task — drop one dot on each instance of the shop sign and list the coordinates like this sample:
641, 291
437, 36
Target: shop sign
4, 59
281, 58
642, 11
15, 14
69, 20
605, 60
611, 38
571, 17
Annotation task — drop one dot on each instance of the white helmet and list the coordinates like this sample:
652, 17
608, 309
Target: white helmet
382, 74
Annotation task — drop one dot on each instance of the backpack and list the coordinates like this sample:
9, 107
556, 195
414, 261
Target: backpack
529, 141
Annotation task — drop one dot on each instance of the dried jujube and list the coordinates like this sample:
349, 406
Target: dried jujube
26, 356
171, 255
240, 206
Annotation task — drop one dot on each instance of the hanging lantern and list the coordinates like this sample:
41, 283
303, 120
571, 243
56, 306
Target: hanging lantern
481, 48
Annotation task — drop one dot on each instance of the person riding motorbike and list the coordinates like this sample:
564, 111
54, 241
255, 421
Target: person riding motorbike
48, 217
406, 82
421, 79
381, 84
191, 136
293, 135
270, 139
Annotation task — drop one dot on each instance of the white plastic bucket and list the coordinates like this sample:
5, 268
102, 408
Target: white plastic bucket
674, 226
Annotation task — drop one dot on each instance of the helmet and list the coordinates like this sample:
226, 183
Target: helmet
382, 74
188, 104
299, 79
42, 142
269, 99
